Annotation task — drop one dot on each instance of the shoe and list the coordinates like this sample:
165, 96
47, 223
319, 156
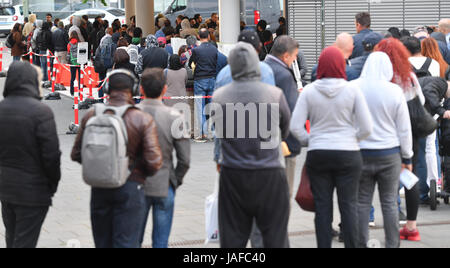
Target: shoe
372, 224
199, 140
402, 218
341, 234
406, 234
334, 233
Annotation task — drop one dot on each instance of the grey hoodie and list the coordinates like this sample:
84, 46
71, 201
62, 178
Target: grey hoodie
338, 114
76, 27
250, 151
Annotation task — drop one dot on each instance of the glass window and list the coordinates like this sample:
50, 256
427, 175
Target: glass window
7, 11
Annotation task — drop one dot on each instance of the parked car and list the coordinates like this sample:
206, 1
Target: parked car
110, 14
10, 15
255, 10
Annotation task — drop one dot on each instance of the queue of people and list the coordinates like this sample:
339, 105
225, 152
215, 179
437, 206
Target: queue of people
370, 109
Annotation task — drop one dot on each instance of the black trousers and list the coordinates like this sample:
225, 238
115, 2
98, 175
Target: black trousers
23, 224
341, 170
246, 195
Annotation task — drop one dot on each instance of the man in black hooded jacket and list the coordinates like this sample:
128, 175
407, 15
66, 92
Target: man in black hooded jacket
29, 157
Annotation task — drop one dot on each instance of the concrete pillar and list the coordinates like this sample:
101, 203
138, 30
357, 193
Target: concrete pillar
145, 19
229, 16
130, 10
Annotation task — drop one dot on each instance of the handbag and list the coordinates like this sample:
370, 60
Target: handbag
305, 198
423, 124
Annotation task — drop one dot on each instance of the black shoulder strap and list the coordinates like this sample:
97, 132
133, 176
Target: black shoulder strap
426, 65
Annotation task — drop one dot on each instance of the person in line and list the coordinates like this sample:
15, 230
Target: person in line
369, 42
29, 26
430, 49
76, 24
205, 58
122, 61
284, 53
444, 27
282, 29
187, 30
44, 43
104, 57
225, 78
178, 21
363, 23
177, 78
30, 160
407, 80
60, 41
425, 66
55, 25
442, 43
213, 23
340, 119
160, 189
344, 42
387, 150
253, 184
117, 214
72, 55
152, 57
18, 47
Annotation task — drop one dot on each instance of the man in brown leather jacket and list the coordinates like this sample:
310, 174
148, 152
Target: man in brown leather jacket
117, 214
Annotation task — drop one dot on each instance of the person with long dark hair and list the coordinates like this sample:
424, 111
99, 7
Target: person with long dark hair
17, 49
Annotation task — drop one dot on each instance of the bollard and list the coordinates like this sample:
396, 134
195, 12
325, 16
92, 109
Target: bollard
31, 56
73, 128
90, 83
49, 71
81, 82
54, 76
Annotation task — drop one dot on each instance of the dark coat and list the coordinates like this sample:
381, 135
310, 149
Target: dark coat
60, 40
434, 90
285, 79
358, 50
29, 146
44, 40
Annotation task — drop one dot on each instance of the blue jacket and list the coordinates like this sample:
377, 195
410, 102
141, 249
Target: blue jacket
285, 79
357, 64
222, 61
358, 51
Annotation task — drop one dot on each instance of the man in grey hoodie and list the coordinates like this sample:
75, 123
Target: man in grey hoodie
76, 27
253, 182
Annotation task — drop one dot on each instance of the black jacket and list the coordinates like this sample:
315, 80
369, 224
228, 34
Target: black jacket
205, 59
60, 40
44, 40
434, 90
285, 79
29, 146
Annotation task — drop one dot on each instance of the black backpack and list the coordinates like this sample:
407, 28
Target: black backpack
444, 137
425, 70
10, 42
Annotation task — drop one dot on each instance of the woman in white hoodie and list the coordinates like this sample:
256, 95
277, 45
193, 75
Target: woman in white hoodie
340, 119
387, 150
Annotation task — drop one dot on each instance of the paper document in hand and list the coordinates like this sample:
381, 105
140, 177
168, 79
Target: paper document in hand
408, 179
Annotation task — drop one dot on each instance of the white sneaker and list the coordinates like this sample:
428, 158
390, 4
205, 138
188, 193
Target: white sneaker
372, 224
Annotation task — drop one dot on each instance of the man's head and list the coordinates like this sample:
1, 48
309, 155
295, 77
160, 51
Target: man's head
56, 22
203, 35
49, 17
214, 17
413, 45
344, 42
99, 19
61, 24
371, 40
198, 18
362, 21
137, 33
109, 31
444, 26
282, 21
285, 48
180, 19
252, 38
153, 83
421, 32
261, 26
85, 17
120, 82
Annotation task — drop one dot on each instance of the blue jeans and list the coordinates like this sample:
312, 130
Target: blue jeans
163, 208
44, 65
202, 87
117, 216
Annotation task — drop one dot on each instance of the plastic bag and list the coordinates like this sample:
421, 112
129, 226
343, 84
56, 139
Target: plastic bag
212, 216
408, 179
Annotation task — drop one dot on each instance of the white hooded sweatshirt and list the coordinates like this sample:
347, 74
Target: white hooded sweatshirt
338, 113
388, 106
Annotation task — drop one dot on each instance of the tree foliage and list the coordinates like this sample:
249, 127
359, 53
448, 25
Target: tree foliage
101, 1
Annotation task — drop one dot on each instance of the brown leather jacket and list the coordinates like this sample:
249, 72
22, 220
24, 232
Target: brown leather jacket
143, 145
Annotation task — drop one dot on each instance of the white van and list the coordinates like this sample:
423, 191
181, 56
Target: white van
268, 10
10, 15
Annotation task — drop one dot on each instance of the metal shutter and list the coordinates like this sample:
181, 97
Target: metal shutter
387, 14
304, 26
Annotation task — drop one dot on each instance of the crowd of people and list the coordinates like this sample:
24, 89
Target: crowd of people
372, 107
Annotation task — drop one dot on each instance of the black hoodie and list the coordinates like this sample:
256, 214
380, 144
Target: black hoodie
434, 89
44, 39
29, 146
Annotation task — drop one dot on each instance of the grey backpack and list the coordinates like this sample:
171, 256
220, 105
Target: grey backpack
104, 148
